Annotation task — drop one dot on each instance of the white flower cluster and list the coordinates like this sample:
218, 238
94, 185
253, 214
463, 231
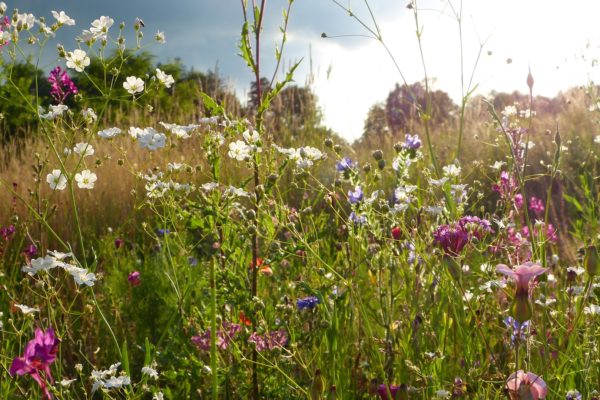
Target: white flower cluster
107, 379
53, 111
156, 187
181, 131
56, 259
149, 138
242, 150
98, 30
304, 157
165, 79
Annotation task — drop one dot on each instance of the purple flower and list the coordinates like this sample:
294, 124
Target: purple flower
518, 330
134, 278
225, 335
30, 251
269, 341
382, 390
309, 302
573, 395
40, 352
357, 219
119, 243
536, 205
162, 232
61, 85
451, 238
356, 195
344, 164
7, 231
412, 142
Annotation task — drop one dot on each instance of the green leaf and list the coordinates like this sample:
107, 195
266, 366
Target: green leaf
125, 358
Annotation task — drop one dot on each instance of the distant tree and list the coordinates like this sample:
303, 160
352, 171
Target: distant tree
253, 100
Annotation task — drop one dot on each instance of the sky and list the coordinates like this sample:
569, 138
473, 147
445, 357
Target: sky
557, 40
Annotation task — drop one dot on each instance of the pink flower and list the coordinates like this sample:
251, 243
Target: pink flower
528, 385
134, 278
40, 352
522, 275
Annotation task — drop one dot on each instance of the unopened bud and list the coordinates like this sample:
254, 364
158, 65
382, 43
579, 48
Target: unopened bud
591, 260
378, 155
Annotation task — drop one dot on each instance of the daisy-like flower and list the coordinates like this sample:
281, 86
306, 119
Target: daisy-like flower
77, 60
133, 85
151, 372
101, 26
83, 149
62, 18
160, 37
109, 133
89, 115
57, 180
53, 111
86, 179
239, 150
165, 79
451, 170
23, 21
528, 385
26, 309
151, 139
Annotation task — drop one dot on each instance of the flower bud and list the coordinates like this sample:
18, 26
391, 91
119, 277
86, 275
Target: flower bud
381, 164
521, 309
328, 143
378, 155
591, 260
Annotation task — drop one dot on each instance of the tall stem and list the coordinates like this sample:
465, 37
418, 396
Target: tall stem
213, 331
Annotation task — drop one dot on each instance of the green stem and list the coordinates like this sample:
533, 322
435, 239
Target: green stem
213, 331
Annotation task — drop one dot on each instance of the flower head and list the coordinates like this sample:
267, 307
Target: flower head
86, 179
77, 60
382, 391
309, 302
412, 142
133, 85
522, 274
134, 278
39, 353
528, 385
345, 164
62, 18
356, 195
61, 85
57, 180
164, 79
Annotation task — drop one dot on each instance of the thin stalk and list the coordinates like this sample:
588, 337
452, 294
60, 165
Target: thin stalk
213, 332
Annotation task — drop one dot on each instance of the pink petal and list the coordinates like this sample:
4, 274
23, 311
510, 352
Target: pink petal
505, 269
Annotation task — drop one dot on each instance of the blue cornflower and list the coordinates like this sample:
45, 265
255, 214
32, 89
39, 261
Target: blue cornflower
356, 195
412, 142
344, 164
309, 302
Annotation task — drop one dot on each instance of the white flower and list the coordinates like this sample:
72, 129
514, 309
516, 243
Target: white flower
442, 394
235, 192
83, 149
133, 85
81, 275
509, 111
62, 18
160, 37
77, 59
209, 186
239, 150
498, 165
67, 382
2, 7
86, 179
109, 133
89, 115
24, 21
40, 264
56, 180
164, 79
451, 170
158, 396
597, 139
135, 132
151, 139
174, 166
59, 256
592, 309
101, 26
26, 309
151, 372
181, 131
53, 111
251, 137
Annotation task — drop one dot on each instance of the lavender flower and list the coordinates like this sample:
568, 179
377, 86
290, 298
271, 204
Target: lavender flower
357, 219
225, 335
345, 164
356, 195
518, 330
269, 341
413, 142
573, 395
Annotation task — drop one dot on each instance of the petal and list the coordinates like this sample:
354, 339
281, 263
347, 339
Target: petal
505, 269
514, 380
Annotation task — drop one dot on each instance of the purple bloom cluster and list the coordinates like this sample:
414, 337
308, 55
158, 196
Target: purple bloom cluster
454, 237
61, 85
309, 302
413, 142
382, 391
345, 164
269, 341
357, 219
225, 335
536, 205
7, 231
356, 195
39, 353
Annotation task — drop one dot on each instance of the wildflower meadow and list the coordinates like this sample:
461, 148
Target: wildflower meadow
161, 239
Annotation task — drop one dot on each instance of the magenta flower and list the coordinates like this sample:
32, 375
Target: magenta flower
528, 385
536, 205
40, 352
61, 85
382, 391
522, 275
134, 278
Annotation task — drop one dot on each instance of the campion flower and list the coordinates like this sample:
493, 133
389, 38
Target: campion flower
133, 85
26, 310
160, 37
309, 302
356, 195
151, 372
61, 86
151, 139
23, 21
7, 231
181, 131
382, 391
239, 150
62, 18
77, 60
53, 111
57, 180
164, 79
107, 379
40, 353
86, 179
81, 276
528, 385
454, 237
84, 149
109, 133
134, 278
101, 26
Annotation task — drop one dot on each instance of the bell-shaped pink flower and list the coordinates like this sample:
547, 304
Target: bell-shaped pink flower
522, 275
526, 385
